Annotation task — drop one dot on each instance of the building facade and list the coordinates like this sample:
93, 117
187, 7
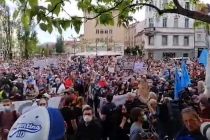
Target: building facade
169, 35
99, 37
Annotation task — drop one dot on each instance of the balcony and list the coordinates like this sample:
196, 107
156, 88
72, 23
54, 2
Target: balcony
149, 31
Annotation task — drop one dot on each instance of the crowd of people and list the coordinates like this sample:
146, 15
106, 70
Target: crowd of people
104, 99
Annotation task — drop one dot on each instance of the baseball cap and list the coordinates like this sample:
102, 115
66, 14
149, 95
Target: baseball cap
39, 123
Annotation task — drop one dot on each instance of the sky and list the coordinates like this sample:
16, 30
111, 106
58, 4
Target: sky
45, 37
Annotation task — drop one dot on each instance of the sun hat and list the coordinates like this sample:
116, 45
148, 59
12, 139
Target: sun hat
39, 123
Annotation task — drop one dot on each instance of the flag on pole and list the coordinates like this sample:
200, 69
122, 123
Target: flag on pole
177, 85
185, 75
203, 57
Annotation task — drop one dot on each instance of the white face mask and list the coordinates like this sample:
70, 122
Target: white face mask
7, 108
145, 117
87, 118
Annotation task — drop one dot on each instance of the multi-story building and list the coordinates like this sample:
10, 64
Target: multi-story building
98, 37
201, 31
169, 35
134, 35
200, 41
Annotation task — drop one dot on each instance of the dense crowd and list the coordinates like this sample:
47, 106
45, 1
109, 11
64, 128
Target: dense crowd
103, 98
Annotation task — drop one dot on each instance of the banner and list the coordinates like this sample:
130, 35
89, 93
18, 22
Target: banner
128, 65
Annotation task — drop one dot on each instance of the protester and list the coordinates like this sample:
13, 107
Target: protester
89, 128
192, 123
7, 118
113, 87
70, 118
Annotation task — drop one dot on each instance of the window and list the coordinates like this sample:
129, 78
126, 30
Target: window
151, 23
176, 22
150, 8
185, 55
164, 40
102, 31
169, 55
186, 22
151, 40
97, 31
165, 22
110, 31
187, 5
198, 37
186, 40
175, 40
106, 31
165, 3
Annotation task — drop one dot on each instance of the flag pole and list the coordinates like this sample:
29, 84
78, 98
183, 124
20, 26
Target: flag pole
207, 82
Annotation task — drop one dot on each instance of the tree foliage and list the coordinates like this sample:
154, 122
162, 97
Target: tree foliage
48, 16
7, 26
59, 46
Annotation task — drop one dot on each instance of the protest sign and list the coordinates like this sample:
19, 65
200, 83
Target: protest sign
128, 65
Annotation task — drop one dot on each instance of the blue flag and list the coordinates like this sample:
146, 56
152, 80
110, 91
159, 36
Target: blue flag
177, 85
185, 75
203, 59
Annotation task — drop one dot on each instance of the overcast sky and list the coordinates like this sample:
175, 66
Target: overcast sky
72, 9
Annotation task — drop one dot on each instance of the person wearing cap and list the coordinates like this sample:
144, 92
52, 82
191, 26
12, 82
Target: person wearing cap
89, 128
47, 124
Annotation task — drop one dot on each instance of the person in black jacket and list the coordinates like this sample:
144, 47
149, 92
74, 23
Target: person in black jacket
89, 128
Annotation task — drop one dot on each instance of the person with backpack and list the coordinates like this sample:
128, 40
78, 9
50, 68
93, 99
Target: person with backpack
106, 116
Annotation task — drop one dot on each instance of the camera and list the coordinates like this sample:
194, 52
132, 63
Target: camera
205, 129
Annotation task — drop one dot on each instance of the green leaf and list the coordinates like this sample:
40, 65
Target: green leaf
106, 19
43, 26
33, 3
49, 27
26, 19
65, 24
57, 9
77, 22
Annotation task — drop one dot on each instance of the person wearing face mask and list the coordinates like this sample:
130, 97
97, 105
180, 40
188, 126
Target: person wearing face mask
60, 88
89, 128
7, 119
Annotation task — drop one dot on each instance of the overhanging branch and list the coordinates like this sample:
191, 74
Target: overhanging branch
178, 10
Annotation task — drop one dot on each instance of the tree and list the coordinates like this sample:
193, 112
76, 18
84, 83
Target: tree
48, 16
28, 40
59, 46
127, 51
7, 29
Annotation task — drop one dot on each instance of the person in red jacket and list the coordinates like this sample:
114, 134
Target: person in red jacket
68, 82
102, 83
